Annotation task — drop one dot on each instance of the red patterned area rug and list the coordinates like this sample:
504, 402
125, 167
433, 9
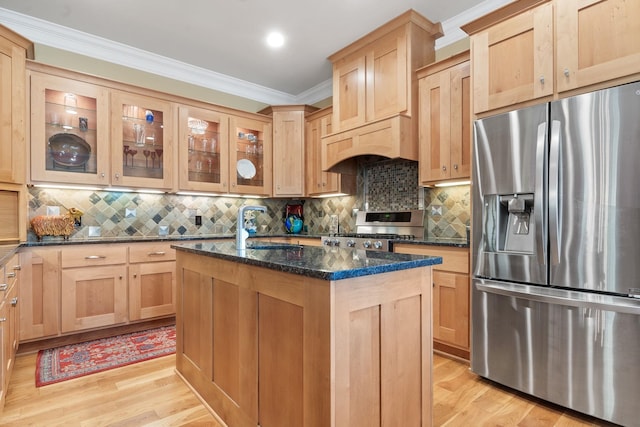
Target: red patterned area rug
72, 361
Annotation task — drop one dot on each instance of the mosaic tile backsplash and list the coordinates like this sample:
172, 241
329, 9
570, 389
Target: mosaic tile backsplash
387, 185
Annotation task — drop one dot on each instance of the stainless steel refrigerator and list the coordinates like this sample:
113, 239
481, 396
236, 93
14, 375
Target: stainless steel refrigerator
556, 244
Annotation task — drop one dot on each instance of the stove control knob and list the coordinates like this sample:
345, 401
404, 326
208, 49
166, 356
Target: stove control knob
327, 242
377, 244
351, 243
367, 244
335, 242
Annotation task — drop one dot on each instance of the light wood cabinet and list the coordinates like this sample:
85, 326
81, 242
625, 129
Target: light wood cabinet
152, 281
94, 295
289, 148
596, 41
451, 286
14, 50
142, 135
250, 156
445, 120
375, 91
537, 49
40, 293
513, 60
203, 150
319, 182
69, 143
9, 317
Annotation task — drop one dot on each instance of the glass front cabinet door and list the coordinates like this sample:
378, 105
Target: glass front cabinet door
250, 156
203, 150
141, 134
69, 131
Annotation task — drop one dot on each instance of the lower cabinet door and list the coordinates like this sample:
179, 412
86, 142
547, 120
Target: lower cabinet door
93, 297
451, 308
152, 290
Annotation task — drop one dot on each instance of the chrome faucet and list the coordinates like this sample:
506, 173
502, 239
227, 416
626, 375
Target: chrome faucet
241, 233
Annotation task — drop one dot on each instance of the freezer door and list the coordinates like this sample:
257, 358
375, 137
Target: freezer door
509, 195
572, 348
594, 201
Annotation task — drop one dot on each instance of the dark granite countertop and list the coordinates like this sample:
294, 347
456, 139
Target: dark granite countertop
327, 263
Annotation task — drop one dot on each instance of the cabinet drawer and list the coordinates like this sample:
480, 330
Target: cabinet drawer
89, 255
453, 259
150, 252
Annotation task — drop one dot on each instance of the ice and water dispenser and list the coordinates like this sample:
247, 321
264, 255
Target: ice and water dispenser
509, 223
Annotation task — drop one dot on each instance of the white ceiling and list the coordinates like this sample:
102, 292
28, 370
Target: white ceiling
220, 43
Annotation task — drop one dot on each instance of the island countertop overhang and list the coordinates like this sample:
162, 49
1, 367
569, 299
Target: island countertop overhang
327, 263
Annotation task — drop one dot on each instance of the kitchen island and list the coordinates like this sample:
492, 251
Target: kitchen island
289, 335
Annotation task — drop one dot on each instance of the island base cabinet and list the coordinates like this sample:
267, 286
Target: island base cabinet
383, 350
269, 348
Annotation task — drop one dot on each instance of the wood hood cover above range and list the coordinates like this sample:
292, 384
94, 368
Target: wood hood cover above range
375, 93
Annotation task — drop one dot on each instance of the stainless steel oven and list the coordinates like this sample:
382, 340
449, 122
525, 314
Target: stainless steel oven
374, 230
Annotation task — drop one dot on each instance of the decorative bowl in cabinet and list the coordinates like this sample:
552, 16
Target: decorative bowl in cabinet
68, 149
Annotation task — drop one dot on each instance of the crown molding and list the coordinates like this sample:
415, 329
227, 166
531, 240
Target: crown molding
64, 38
451, 27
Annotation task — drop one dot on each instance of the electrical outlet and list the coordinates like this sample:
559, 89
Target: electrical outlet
198, 220
333, 224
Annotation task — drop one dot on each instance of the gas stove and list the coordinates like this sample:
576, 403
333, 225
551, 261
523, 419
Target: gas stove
374, 230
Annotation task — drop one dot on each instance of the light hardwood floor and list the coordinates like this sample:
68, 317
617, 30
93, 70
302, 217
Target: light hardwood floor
151, 394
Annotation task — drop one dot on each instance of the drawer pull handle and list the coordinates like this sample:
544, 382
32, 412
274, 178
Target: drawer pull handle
3, 319
156, 253
95, 257
11, 275
4, 287
17, 267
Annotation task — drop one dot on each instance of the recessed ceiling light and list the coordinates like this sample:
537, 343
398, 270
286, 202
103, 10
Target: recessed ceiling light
275, 39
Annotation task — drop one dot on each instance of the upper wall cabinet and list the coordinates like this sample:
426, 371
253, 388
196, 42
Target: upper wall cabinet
203, 150
250, 154
14, 50
142, 133
375, 91
513, 60
534, 49
69, 131
289, 147
445, 120
596, 40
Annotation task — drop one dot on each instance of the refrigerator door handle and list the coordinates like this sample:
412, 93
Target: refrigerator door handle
554, 193
561, 297
539, 196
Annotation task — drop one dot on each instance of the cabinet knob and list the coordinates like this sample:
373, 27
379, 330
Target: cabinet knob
117, 176
444, 168
233, 184
14, 301
17, 267
455, 167
102, 175
135, 275
120, 277
566, 72
541, 79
